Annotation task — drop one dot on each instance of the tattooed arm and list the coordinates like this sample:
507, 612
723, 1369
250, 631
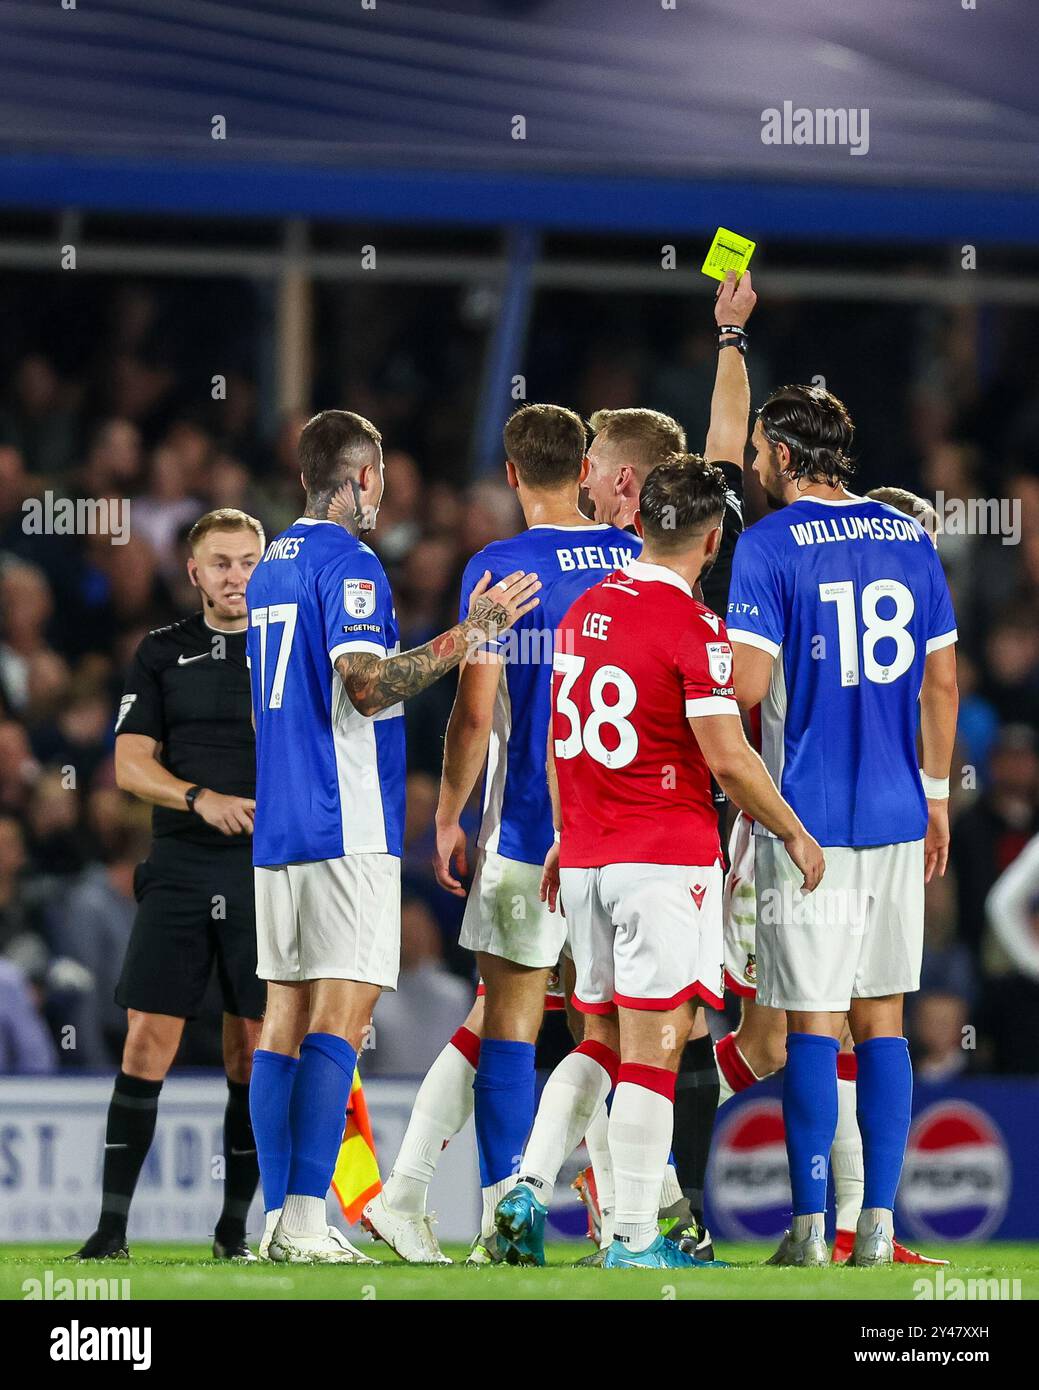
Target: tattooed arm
373, 683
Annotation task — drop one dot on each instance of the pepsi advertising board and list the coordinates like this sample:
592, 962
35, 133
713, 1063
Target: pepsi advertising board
969, 1173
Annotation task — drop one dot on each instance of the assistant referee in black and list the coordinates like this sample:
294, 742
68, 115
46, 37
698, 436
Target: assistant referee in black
184, 743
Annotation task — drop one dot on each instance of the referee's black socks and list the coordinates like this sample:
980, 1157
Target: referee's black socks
128, 1136
696, 1103
241, 1166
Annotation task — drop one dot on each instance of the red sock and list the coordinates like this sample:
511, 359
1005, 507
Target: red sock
732, 1066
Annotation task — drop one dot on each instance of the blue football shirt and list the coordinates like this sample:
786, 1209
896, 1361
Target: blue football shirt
849, 596
517, 811
329, 781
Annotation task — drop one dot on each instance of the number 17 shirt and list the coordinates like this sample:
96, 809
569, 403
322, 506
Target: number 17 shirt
637, 657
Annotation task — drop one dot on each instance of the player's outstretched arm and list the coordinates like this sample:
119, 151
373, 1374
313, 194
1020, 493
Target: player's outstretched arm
730, 403
939, 706
745, 780
373, 683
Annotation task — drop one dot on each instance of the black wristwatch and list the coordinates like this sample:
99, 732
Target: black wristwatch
191, 796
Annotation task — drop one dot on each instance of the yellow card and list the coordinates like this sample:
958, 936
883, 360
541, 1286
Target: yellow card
729, 251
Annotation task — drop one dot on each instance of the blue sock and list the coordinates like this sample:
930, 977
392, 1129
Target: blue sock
809, 1116
317, 1111
504, 1106
884, 1101
269, 1092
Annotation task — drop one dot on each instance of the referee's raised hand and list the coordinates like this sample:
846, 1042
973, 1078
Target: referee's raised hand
231, 815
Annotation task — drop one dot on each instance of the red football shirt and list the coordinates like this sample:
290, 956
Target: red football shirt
635, 658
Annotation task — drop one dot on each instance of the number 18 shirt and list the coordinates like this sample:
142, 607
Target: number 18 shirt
849, 597
636, 658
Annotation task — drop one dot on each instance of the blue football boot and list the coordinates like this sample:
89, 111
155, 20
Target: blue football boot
662, 1254
520, 1222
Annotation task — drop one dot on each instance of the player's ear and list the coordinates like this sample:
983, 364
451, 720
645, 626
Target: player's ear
637, 523
714, 540
585, 465
783, 457
510, 474
193, 571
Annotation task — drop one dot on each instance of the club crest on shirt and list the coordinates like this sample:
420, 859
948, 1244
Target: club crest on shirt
719, 661
359, 597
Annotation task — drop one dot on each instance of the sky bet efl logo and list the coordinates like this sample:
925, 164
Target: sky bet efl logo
956, 1179
749, 1181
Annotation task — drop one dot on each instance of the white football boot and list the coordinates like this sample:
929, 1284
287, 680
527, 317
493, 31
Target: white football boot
803, 1247
410, 1237
874, 1239
332, 1248
270, 1225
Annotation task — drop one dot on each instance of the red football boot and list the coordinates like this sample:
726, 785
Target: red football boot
584, 1186
844, 1241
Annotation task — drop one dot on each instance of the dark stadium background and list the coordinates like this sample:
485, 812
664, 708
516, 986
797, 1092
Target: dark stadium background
249, 259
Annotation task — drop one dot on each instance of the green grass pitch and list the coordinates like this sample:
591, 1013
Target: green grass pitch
186, 1272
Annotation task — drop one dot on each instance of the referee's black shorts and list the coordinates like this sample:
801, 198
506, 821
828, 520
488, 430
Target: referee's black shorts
194, 909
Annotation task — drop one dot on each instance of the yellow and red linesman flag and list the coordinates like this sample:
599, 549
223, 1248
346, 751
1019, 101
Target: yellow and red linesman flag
356, 1178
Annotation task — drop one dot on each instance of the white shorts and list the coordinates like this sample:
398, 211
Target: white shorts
858, 936
740, 909
505, 917
333, 919
644, 936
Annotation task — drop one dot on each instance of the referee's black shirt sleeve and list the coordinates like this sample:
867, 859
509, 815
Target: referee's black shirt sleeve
140, 710
715, 584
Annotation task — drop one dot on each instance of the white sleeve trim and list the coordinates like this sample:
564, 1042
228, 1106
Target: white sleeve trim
753, 639
946, 639
711, 704
376, 649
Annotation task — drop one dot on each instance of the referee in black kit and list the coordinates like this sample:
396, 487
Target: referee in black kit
184, 742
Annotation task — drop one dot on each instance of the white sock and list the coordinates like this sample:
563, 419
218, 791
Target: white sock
670, 1189
304, 1216
597, 1142
606, 1232
491, 1197
801, 1227
573, 1093
738, 1063
872, 1217
443, 1104
642, 1124
846, 1159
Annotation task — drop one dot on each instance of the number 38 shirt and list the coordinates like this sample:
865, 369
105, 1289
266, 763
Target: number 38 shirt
849, 597
636, 658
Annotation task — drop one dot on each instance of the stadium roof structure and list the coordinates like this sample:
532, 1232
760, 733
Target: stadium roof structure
637, 115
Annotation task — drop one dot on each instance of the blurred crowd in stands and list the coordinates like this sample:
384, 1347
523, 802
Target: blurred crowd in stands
947, 403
